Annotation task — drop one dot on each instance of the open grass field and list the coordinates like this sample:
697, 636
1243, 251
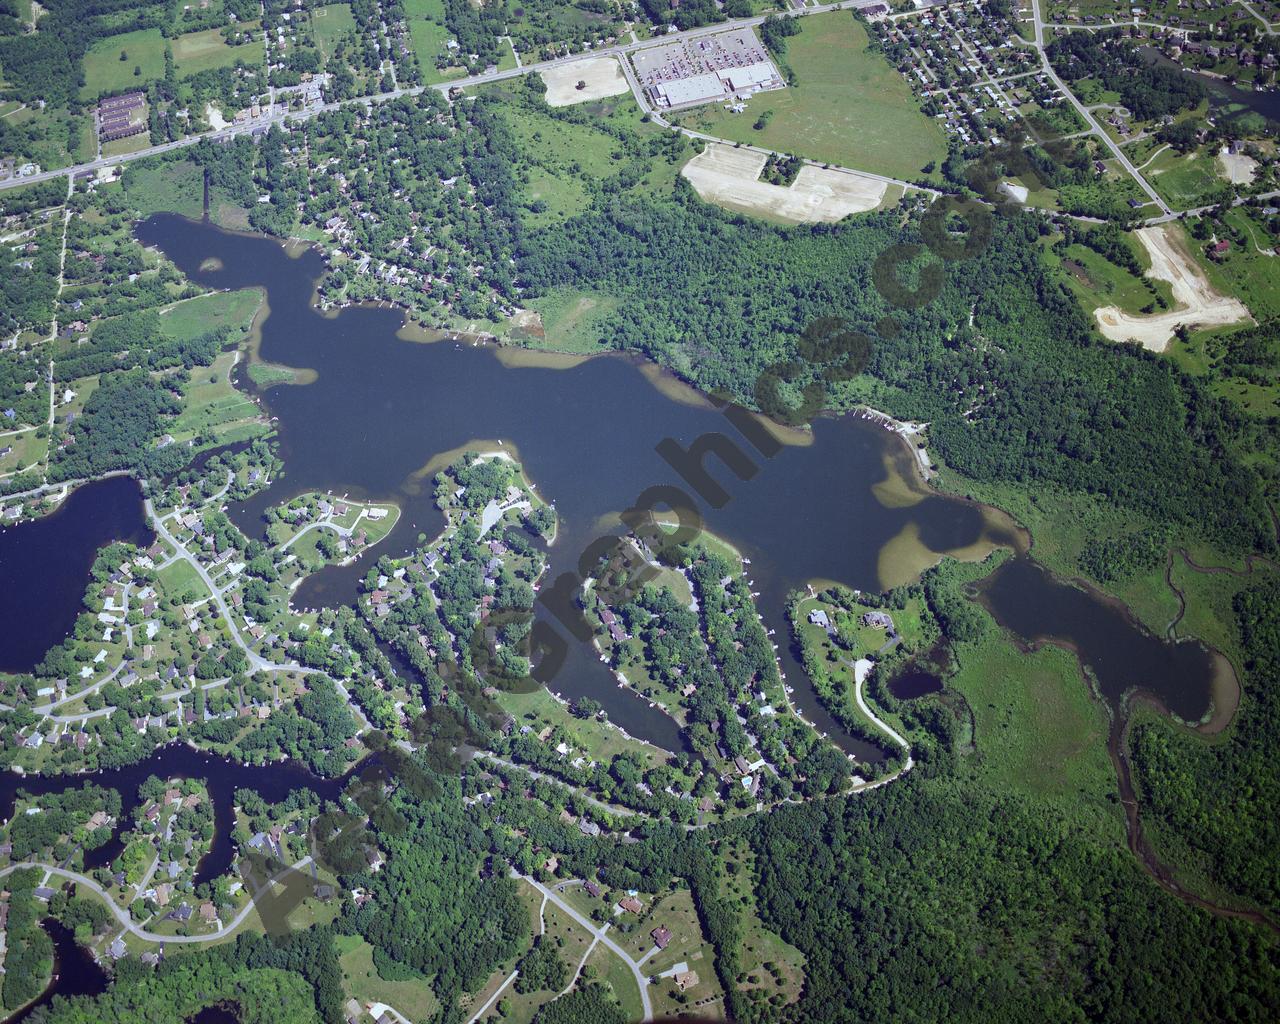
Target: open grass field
104, 71
330, 24
769, 963
1185, 181
571, 319
194, 317
562, 160
1037, 728
151, 187
180, 580
1096, 281
120, 147
27, 450
203, 51
1250, 275
363, 982
602, 743
428, 36
210, 403
613, 973
850, 107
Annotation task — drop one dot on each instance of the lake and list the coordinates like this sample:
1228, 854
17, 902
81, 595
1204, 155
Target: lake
1122, 656
44, 565
382, 411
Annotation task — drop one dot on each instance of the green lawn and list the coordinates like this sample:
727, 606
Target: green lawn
364, 983
203, 51
330, 24
180, 580
194, 317
104, 71
849, 108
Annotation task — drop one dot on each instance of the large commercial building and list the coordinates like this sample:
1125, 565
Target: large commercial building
706, 69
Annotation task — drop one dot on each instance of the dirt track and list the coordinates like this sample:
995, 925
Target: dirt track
602, 75
730, 177
1196, 303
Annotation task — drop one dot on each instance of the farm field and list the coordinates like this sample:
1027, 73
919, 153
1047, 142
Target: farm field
850, 107
104, 71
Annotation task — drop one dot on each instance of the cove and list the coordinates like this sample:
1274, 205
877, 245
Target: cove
75, 972
44, 565
381, 408
1224, 97
1122, 657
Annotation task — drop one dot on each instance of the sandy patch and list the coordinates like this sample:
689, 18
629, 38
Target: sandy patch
1236, 167
1196, 303
730, 177
214, 116
602, 77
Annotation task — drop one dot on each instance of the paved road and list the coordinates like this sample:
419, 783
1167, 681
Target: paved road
277, 118
256, 661
600, 935
1084, 112
613, 809
127, 921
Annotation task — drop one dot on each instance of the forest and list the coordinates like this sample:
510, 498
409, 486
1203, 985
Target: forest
930, 899
1213, 805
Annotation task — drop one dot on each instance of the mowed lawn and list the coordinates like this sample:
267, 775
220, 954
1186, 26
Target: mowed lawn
330, 24
850, 107
104, 71
203, 51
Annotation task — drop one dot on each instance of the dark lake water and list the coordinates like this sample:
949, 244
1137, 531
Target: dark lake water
75, 973
44, 565
1121, 654
382, 407
914, 682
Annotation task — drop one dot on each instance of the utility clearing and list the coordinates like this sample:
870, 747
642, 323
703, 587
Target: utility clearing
1196, 303
730, 177
599, 76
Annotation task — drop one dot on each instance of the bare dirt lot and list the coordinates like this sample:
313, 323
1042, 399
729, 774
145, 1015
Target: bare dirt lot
730, 177
1196, 303
601, 77
1236, 167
